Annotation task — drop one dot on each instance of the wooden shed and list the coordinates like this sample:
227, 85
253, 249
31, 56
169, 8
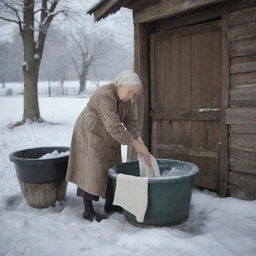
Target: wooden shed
197, 62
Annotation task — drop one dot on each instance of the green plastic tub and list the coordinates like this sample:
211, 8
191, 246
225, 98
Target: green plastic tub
169, 196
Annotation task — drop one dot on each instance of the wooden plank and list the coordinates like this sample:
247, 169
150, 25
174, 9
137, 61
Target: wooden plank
243, 161
223, 161
43, 195
141, 66
243, 31
242, 16
166, 8
240, 116
185, 82
152, 71
244, 142
243, 78
207, 168
242, 185
141, 62
243, 96
189, 30
154, 138
243, 64
243, 47
209, 114
214, 95
201, 15
242, 128
180, 149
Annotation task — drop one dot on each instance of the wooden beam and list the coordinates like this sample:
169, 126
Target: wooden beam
202, 14
167, 8
242, 128
187, 151
242, 185
188, 30
189, 114
223, 161
141, 67
242, 161
240, 116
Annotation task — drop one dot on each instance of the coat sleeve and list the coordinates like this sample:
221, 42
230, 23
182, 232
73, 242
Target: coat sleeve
107, 112
131, 122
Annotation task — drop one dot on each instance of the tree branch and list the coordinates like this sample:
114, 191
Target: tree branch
15, 10
10, 20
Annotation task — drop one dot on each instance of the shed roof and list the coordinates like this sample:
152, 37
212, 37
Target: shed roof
105, 7
148, 10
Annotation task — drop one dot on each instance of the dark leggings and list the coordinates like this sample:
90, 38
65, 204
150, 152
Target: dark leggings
109, 194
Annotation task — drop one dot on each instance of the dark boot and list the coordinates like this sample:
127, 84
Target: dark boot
89, 212
109, 197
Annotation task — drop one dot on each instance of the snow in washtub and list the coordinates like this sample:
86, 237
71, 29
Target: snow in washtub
216, 226
54, 154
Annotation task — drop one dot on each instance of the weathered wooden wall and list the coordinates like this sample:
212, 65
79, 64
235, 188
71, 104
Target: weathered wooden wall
241, 115
239, 97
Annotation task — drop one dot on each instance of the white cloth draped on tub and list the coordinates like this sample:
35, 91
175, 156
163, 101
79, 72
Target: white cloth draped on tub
132, 192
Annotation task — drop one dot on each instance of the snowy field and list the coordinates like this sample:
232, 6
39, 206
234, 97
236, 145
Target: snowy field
216, 226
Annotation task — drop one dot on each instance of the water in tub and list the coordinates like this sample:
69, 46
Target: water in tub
174, 172
178, 172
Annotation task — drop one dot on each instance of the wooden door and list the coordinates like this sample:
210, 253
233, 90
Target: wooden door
185, 95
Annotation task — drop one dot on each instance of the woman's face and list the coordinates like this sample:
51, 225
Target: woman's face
127, 93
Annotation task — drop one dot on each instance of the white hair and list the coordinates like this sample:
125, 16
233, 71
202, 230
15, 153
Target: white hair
128, 78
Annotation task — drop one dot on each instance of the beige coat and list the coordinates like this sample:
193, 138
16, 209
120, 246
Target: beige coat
96, 139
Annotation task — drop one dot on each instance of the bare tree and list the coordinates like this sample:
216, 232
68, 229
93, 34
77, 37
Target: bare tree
91, 47
33, 18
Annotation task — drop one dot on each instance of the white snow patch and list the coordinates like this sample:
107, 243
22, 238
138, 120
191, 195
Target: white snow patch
208, 109
54, 154
25, 65
36, 56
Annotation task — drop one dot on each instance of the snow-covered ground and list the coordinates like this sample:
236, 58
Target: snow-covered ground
216, 226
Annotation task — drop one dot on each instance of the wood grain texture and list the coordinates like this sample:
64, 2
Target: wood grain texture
186, 97
43, 195
223, 161
242, 185
240, 116
242, 161
141, 67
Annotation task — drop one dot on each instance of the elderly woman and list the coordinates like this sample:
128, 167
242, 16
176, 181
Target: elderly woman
107, 121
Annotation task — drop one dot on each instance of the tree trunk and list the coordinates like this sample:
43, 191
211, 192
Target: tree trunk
62, 80
62, 87
31, 106
30, 66
82, 83
49, 88
83, 74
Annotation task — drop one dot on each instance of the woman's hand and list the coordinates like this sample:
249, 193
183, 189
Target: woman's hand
142, 150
